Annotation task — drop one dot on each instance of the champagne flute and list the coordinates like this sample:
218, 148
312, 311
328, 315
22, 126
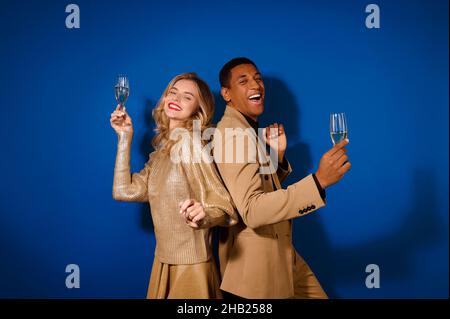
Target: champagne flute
338, 127
122, 90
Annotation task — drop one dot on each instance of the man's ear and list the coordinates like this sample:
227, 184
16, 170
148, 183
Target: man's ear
225, 94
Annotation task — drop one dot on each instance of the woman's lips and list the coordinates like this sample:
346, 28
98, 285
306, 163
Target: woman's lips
174, 106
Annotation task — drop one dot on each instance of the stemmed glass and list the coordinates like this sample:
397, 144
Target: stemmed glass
122, 90
338, 127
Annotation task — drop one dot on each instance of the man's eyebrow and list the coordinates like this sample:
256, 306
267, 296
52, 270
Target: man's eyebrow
173, 88
245, 75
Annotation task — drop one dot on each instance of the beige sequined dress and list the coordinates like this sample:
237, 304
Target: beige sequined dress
183, 266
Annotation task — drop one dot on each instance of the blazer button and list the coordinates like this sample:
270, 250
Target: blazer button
266, 177
313, 206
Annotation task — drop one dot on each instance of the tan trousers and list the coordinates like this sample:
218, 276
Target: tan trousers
306, 285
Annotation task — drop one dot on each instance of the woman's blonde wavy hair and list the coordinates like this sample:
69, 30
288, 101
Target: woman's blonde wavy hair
204, 113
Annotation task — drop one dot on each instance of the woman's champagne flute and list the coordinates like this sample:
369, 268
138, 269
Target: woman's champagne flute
122, 90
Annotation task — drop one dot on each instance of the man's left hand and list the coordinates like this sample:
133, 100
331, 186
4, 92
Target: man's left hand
273, 133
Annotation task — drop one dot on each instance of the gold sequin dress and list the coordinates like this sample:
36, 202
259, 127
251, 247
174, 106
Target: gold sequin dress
183, 266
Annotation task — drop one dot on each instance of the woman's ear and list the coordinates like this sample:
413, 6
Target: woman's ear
225, 94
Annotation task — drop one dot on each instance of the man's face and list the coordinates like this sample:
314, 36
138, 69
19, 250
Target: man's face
245, 91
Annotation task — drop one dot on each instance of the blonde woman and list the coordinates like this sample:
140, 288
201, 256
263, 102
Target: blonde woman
186, 197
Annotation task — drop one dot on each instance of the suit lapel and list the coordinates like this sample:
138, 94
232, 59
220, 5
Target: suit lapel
238, 116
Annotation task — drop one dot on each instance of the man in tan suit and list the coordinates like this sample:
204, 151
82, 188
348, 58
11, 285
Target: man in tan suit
257, 257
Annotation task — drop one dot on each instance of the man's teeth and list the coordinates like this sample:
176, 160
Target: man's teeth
255, 97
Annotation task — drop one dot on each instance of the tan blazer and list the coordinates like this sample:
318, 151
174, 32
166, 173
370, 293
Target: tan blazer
256, 255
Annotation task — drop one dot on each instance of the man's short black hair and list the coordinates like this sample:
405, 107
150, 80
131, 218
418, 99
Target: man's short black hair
225, 72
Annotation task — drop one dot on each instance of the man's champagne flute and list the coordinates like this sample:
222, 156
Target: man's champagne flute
338, 127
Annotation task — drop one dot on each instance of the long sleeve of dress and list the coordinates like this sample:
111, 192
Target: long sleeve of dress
208, 187
126, 186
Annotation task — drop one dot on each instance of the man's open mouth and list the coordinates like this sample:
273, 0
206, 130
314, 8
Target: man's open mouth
255, 97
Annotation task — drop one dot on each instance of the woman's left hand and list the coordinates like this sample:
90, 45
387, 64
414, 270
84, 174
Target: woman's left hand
192, 211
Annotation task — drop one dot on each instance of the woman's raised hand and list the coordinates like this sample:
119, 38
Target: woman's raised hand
121, 121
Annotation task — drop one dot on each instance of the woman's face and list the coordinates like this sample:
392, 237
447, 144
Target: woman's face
181, 101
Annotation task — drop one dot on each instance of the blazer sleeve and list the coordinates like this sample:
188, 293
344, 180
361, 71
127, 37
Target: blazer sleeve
256, 207
207, 186
282, 173
126, 186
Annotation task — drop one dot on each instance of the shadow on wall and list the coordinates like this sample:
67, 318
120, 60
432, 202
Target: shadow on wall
219, 107
392, 251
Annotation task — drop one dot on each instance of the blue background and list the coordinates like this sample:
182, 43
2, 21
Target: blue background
317, 57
